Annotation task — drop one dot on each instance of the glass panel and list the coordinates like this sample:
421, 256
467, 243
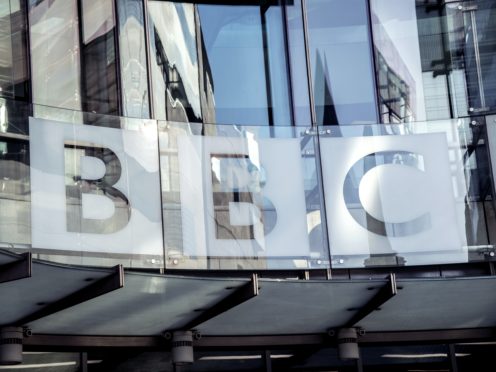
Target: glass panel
435, 60
132, 50
298, 62
174, 61
472, 38
410, 61
226, 202
15, 225
95, 191
409, 194
99, 69
55, 53
73, 65
404, 358
341, 60
244, 64
13, 47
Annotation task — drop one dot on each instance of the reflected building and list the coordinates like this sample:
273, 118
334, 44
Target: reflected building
303, 161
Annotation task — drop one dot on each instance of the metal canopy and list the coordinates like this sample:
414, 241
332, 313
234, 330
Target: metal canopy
147, 305
47, 284
60, 301
295, 307
433, 304
15, 269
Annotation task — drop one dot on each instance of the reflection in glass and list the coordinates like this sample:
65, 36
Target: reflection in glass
341, 60
99, 69
408, 194
225, 198
96, 192
13, 48
435, 60
78, 188
400, 68
244, 64
15, 226
69, 72
476, 52
299, 78
174, 61
132, 50
55, 53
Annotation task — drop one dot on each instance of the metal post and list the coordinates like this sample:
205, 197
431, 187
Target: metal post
268, 361
83, 362
452, 358
359, 362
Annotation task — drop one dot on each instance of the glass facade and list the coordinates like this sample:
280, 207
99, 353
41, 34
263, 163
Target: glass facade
309, 134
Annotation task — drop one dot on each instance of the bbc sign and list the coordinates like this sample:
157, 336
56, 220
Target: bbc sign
98, 190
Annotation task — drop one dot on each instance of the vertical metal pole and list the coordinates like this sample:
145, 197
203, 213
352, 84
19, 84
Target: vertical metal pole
370, 39
148, 59
268, 83
359, 362
313, 114
29, 83
117, 55
199, 58
81, 48
83, 362
285, 31
475, 36
268, 361
452, 358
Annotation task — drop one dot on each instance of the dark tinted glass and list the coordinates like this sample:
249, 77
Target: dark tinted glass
13, 60
98, 52
244, 64
174, 61
132, 52
341, 61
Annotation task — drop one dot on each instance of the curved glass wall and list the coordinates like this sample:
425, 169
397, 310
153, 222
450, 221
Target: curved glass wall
221, 177
238, 197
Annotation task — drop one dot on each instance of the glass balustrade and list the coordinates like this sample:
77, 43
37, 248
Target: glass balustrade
92, 189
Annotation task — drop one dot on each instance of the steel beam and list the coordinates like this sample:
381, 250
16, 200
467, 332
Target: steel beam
387, 292
297, 341
100, 287
242, 294
432, 336
18, 269
78, 342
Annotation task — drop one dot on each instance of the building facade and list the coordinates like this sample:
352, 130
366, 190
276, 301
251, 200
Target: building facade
297, 152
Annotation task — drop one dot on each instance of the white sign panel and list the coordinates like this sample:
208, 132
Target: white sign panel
95, 189
242, 197
393, 195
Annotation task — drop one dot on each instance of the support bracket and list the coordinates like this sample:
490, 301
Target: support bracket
387, 292
18, 269
111, 282
240, 295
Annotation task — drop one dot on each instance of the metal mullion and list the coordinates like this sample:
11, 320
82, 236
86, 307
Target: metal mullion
285, 32
313, 114
148, 60
265, 46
